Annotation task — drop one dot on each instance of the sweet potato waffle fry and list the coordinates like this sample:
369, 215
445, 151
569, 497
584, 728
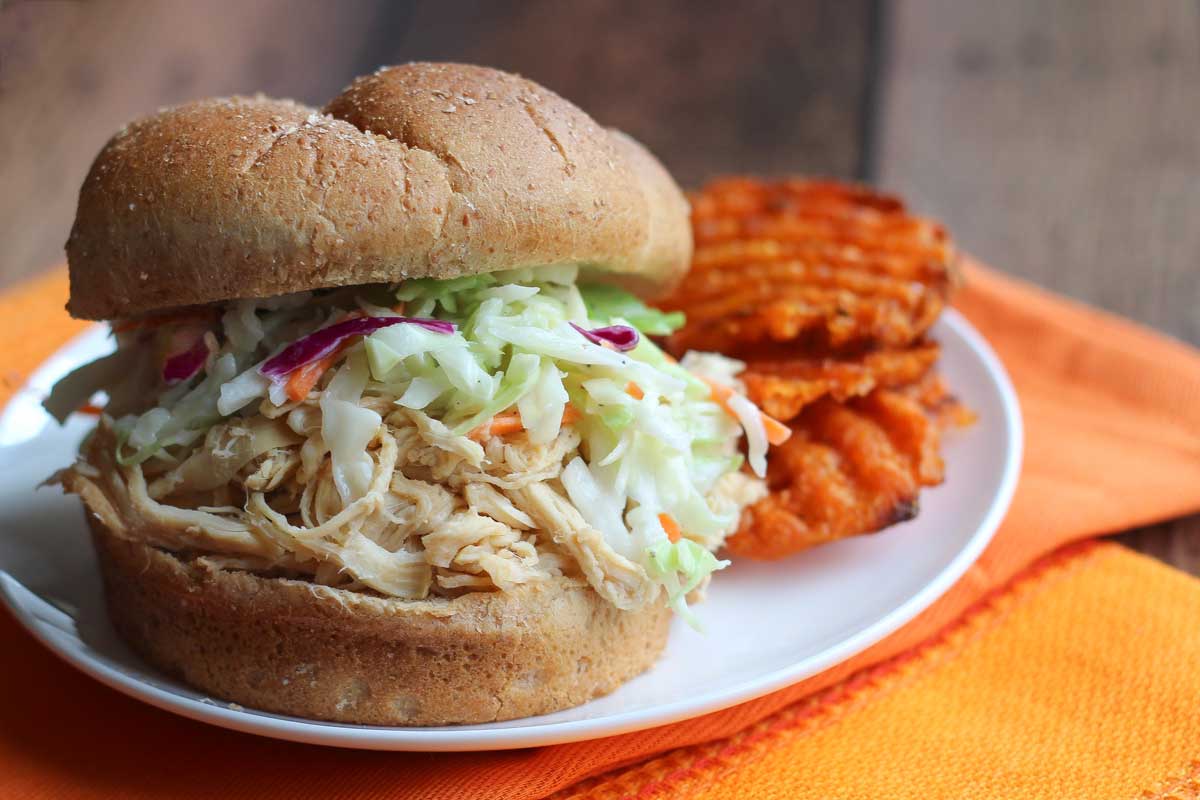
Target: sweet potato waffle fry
783, 387
827, 291
849, 468
831, 265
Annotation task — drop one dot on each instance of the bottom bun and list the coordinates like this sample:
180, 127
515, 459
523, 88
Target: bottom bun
298, 648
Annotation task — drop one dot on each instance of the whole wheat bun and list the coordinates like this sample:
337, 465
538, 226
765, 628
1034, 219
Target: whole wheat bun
293, 647
422, 170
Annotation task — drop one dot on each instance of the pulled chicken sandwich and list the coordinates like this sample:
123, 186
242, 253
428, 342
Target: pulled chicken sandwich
386, 437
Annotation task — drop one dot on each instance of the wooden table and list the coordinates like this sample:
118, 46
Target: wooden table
1058, 140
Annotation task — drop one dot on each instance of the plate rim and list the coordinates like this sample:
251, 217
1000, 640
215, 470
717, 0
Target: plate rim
335, 734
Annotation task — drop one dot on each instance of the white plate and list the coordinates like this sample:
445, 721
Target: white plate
769, 625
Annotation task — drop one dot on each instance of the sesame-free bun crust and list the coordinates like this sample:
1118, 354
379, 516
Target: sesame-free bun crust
422, 170
297, 648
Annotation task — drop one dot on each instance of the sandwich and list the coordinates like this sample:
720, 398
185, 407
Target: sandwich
386, 436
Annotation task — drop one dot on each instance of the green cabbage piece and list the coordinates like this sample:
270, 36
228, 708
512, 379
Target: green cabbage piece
606, 302
681, 566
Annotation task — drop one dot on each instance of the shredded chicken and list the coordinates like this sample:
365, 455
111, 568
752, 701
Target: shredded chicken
537, 453
614, 577
442, 513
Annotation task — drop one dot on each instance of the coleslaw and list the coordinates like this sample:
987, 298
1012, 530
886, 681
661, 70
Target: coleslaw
557, 436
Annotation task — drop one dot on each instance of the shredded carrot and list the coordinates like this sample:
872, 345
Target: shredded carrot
399, 308
720, 393
571, 414
158, 320
670, 526
777, 432
89, 408
509, 422
506, 423
302, 379
634, 391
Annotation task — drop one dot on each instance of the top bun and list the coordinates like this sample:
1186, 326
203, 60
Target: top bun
423, 170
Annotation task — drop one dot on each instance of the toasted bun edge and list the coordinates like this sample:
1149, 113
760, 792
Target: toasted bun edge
297, 648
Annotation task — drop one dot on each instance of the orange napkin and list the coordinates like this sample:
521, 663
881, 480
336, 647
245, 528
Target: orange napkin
1050, 670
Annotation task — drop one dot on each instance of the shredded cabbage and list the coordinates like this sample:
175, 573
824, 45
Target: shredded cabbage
77, 387
184, 422
682, 566
541, 408
609, 302
348, 428
652, 440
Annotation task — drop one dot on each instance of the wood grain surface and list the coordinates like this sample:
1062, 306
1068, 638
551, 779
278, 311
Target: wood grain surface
72, 73
1057, 139
768, 87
